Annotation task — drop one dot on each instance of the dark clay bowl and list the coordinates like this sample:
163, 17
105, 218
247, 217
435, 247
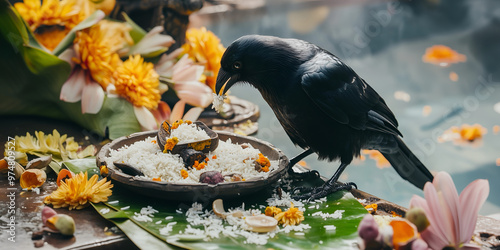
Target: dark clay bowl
196, 191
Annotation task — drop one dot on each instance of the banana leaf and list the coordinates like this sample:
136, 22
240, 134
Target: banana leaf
31, 79
317, 237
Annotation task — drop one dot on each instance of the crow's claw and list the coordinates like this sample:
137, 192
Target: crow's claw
309, 175
324, 190
302, 189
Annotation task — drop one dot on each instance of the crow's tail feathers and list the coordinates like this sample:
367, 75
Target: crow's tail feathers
408, 165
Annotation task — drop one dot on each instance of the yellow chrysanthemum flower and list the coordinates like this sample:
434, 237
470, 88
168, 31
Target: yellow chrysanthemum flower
138, 82
205, 47
292, 216
97, 47
78, 191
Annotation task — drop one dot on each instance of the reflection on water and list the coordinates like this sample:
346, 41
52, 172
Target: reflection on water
384, 42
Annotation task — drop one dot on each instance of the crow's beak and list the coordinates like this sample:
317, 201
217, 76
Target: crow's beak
225, 81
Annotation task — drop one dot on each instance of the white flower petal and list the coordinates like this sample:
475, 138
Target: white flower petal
72, 89
145, 118
92, 97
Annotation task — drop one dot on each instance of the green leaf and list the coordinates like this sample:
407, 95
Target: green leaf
55, 166
137, 33
135, 233
82, 165
315, 238
68, 39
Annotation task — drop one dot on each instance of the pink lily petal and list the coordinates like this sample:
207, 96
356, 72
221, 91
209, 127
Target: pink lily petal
72, 89
419, 244
193, 114
177, 111
184, 62
191, 73
152, 42
471, 199
165, 66
92, 97
67, 56
438, 217
448, 192
195, 99
162, 112
145, 118
434, 241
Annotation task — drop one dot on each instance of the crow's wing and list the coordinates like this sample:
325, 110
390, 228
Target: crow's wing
339, 92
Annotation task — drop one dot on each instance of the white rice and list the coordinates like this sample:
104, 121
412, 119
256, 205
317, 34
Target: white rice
146, 214
167, 229
104, 211
214, 227
218, 102
189, 132
231, 158
335, 215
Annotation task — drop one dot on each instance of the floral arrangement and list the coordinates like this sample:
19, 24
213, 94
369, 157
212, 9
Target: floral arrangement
72, 62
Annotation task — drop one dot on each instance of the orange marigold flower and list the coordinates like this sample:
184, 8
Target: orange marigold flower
184, 173
170, 144
96, 50
442, 55
205, 47
263, 161
138, 82
293, 216
272, 211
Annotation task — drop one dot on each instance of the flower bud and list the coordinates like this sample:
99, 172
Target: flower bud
368, 228
417, 216
64, 224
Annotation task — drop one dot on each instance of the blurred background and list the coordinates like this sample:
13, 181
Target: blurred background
384, 42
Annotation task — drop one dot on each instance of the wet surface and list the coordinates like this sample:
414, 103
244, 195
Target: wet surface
384, 43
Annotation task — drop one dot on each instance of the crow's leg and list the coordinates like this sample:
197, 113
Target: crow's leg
313, 174
329, 187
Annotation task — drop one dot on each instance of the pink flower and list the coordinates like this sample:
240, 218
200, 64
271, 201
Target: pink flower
185, 76
452, 218
81, 87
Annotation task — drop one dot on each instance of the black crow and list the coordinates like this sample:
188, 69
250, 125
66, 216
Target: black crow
322, 104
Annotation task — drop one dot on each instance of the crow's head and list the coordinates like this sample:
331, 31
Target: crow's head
257, 60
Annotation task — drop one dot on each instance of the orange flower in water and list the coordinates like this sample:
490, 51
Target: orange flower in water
205, 47
442, 55
463, 134
96, 50
78, 191
381, 161
138, 82
293, 216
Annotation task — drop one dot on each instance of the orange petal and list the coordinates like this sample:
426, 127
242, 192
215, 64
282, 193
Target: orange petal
404, 232
32, 178
63, 175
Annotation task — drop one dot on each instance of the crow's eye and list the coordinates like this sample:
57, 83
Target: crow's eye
237, 65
